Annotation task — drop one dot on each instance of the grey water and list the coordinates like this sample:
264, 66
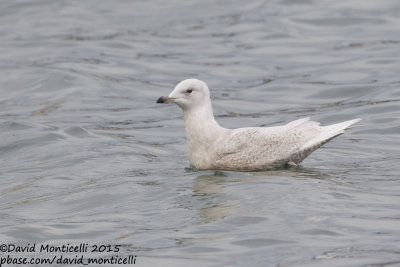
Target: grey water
87, 156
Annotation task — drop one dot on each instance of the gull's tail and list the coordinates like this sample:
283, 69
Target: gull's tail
328, 133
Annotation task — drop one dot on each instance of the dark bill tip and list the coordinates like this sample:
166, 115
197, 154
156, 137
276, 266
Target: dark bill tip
161, 100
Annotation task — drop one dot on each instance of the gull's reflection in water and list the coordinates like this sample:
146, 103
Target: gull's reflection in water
214, 203
210, 191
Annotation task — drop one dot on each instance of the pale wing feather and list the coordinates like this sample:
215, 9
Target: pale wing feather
259, 146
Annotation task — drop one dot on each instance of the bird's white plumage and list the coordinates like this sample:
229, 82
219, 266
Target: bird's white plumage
253, 148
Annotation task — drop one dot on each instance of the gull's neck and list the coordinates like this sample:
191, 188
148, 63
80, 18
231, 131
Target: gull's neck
202, 131
200, 124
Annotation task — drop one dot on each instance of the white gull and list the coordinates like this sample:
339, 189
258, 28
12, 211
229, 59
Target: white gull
244, 149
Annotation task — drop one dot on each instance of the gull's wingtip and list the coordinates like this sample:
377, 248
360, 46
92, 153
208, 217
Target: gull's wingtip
351, 122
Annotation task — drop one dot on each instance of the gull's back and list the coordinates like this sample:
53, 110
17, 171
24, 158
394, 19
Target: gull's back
255, 148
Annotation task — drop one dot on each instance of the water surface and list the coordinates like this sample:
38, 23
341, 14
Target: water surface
86, 156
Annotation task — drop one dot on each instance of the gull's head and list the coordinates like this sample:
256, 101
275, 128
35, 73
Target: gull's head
188, 94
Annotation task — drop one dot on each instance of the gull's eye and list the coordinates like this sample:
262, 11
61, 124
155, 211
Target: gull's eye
189, 91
